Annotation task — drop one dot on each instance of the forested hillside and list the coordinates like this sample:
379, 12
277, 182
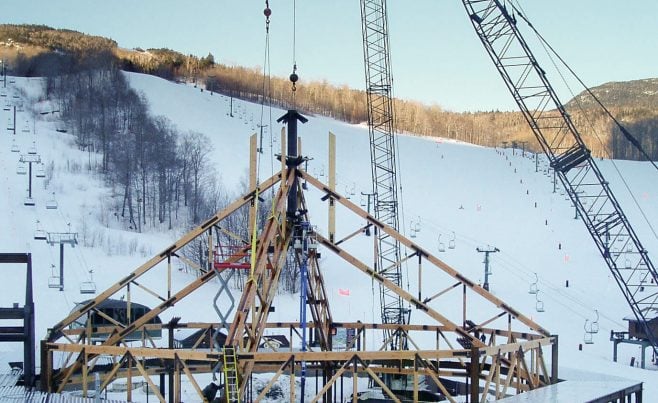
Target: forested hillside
42, 51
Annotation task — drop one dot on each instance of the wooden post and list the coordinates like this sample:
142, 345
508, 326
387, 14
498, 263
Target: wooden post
475, 374
177, 384
46, 367
85, 363
420, 277
210, 250
283, 154
292, 379
284, 172
438, 341
129, 378
554, 360
253, 172
464, 306
332, 186
355, 383
416, 379
497, 372
128, 304
168, 276
85, 372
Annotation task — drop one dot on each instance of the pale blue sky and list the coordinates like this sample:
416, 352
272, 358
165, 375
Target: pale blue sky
436, 55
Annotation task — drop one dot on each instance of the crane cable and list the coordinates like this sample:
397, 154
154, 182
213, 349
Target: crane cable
547, 46
254, 233
267, 92
293, 76
621, 127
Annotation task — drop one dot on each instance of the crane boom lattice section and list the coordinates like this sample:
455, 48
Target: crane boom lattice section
382, 153
590, 193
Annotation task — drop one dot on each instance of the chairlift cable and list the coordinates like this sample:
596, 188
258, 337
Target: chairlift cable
254, 234
518, 269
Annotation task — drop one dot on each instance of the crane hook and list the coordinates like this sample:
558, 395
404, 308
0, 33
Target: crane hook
294, 77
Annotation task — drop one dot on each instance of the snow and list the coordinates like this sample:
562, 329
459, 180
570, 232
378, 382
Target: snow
476, 196
582, 387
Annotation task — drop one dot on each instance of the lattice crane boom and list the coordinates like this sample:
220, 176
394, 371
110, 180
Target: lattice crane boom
379, 84
562, 143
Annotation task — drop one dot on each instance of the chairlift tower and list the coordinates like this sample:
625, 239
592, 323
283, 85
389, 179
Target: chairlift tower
487, 252
4, 73
61, 239
13, 126
496, 24
30, 158
379, 92
24, 334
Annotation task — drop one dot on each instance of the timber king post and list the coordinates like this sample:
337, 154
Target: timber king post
487, 350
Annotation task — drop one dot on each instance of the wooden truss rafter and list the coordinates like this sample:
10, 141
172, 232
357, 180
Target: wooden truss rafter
511, 358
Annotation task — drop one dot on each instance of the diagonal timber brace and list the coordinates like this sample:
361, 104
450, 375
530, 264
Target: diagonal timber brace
424, 254
187, 238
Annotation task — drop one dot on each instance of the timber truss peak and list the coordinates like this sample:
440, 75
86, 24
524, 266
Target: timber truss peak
499, 361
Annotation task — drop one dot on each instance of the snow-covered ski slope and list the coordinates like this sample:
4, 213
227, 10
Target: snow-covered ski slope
453, 193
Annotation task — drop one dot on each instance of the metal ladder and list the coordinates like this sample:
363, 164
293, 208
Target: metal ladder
231, 381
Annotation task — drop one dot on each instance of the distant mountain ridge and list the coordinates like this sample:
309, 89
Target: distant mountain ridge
622, 94
38, 50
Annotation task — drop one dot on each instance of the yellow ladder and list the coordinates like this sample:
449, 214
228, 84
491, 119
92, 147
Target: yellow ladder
231, 383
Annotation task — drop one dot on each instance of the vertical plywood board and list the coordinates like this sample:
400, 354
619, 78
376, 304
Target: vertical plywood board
332, 186
283, 157
253, 172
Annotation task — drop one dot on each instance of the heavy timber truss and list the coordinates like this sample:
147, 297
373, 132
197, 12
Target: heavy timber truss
484, 345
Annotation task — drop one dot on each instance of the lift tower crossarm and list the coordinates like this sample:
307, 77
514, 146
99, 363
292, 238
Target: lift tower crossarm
568, 155
379, 83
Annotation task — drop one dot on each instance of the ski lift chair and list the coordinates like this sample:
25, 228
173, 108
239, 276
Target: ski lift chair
40, 171
587, 337
539, 304
39, 233
21, 169
51, 204
534, 288
88, 287
451, 242
594, 328
14, 147
412, 229
442, 246
33, 149
54, 280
